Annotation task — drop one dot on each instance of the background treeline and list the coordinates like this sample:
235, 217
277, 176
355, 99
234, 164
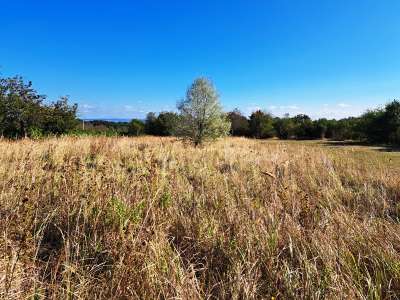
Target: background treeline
374, 126
163, 124
25, 113
102, 127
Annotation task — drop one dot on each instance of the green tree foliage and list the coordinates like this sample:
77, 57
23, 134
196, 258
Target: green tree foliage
136, 127
102, 127
167, 122
261, 125
21, 107
392, 121
381, 125
239, 124
303, 127
23, 111
320, 128
60, 117
284, 127
201, 114
346, 129
151, 124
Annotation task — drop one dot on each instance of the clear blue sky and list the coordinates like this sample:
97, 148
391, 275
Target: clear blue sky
122, 59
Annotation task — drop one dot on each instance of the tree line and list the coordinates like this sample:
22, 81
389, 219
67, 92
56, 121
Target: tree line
375, 126
25, 113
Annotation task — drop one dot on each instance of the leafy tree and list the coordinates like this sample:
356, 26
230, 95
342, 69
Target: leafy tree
261, 125
136, 127
167, 122
239, 123
381, 125
345, 129
201, 113
303, 127
23, 112
151, 125
284, 127
60, 117
371, 126
392, 121
20, 107
320, 128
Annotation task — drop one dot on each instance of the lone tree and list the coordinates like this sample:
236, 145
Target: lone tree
201, 115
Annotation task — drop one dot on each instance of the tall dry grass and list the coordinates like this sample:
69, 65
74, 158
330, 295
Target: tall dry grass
149, 218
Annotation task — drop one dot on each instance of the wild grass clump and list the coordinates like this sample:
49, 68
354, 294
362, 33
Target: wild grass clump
150, 218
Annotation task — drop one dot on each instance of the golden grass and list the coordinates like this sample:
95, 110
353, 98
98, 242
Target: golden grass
149, 218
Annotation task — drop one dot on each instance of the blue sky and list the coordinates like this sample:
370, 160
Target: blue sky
121, 59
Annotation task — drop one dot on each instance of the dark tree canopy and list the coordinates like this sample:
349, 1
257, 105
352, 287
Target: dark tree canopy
239, 123
23, 111
261, 125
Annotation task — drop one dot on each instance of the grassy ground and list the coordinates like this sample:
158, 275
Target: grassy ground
150, 218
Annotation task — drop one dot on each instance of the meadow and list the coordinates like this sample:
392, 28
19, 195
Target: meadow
154, 218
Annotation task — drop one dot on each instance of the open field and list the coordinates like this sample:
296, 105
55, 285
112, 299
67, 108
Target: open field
151, 218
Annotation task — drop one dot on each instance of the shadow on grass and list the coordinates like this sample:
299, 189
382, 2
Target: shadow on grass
376, 147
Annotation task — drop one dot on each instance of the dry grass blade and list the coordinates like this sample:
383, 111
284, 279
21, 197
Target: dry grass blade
268, 174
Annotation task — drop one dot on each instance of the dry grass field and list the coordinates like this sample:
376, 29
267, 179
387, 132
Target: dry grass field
152, 218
